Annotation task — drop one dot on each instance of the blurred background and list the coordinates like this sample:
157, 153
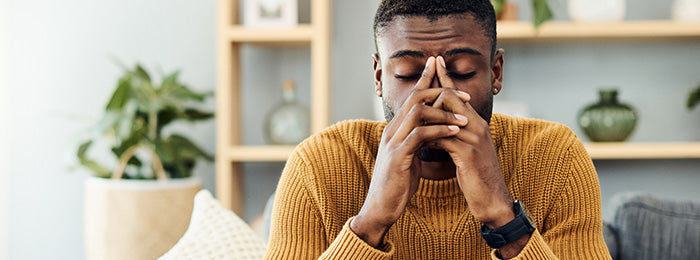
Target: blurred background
57, 71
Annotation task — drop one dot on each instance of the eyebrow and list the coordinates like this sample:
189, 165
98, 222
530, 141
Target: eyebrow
418, 54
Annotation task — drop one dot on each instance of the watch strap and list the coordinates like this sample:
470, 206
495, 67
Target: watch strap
513, 230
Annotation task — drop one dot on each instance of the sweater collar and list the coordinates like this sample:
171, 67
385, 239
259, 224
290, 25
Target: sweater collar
438, 188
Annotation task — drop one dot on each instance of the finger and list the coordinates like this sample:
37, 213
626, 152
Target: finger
450, 101
420, 135
421, 115
445, 80
427, 75
416, 97
439, 102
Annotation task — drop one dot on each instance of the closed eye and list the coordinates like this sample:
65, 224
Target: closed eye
411, 77
459, 76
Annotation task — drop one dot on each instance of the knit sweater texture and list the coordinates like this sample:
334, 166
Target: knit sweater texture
544, 165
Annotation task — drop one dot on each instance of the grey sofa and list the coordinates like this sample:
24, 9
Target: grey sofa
648, 227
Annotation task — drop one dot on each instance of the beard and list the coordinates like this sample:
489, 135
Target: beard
439, 155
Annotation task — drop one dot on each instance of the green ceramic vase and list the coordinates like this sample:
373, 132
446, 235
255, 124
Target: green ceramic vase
608, 120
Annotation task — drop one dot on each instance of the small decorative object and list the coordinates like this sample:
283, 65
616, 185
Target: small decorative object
597, 10
270, 13
508, 11
608, 120
288, 123
686, 10
140, 209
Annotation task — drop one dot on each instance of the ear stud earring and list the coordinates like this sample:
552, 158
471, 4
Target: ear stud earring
495, 91
379, 93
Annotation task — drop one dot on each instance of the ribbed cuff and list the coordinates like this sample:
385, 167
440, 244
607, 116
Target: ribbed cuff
347, 245
536, 248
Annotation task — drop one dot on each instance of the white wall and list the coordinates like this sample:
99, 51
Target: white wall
4, 168
59, 78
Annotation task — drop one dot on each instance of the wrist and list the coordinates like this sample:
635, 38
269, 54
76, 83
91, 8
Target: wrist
372, 232
498, 215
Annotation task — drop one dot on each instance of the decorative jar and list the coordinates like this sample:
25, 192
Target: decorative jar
608, 120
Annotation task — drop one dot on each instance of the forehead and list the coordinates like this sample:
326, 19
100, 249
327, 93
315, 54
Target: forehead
433, 37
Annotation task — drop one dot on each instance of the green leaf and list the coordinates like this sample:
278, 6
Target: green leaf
95, 167
141, 74
693, 98
187, 149
120, 96
542, 13
195, 115
135, 138
498, 6
171, 79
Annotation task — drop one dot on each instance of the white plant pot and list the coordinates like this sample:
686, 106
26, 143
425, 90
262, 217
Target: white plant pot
136, 219
686, 10
597, 10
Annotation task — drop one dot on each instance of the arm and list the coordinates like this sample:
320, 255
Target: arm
296, 230
573, 229
579, 223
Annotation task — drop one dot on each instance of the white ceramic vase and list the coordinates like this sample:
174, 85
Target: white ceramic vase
597, 10
686, 10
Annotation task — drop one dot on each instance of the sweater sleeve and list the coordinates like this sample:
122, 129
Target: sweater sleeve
347, 245
574, 227
297, 230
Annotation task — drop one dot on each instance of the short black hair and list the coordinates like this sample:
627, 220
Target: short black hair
481, 10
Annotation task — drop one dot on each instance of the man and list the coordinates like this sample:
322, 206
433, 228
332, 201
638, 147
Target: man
442, 178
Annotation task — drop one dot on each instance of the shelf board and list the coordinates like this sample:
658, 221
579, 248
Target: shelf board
299, 34
608, 151
269, 153
597, 151
522, 30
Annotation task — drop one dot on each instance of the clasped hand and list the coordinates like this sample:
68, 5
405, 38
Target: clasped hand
438, 118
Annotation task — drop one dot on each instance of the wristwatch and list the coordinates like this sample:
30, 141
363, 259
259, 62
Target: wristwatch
515, 229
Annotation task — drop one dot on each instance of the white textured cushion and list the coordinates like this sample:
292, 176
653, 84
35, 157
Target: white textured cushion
216, 233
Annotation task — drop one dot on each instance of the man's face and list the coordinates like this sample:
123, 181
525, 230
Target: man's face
405, 45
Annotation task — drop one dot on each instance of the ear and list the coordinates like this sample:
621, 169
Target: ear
377, 65
497, 71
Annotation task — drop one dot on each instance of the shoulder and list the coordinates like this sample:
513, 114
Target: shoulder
350, 134
335, 167
529, 133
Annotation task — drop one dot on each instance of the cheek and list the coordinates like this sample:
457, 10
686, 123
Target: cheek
395, 91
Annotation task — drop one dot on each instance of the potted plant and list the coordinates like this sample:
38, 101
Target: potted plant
139, 209
541, 11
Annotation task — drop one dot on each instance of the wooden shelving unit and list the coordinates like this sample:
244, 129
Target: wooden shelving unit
652, 29
259, 153
230, 153
610, 151
231, 35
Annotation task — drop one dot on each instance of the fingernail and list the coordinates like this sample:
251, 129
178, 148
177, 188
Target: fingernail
463, 94
453, 127
430, 60
442, 61
461, 118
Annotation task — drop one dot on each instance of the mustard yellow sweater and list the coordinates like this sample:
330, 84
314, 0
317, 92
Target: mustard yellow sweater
544, 164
